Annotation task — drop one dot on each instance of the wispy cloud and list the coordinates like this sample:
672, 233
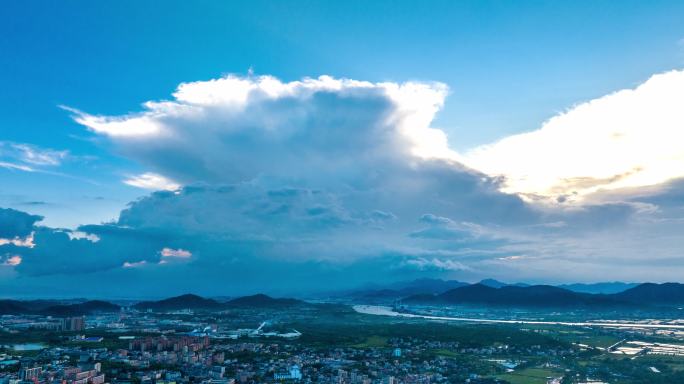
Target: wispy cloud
16, 167
39, 156
436, 264
23, 156
178, 253
152, 181
135, 264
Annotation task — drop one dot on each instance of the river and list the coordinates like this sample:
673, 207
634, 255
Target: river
387, 311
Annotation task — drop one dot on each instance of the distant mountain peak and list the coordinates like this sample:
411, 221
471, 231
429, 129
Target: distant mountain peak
185, 301
195, 302
262, 300
498, 284
492, 283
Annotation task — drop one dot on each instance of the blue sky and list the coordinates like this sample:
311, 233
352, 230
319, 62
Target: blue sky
508, 67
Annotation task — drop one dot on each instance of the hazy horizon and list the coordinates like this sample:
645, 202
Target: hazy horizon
311, 295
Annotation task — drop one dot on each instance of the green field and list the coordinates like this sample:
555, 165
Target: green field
445, 353
599, 341
529, 376
373, 342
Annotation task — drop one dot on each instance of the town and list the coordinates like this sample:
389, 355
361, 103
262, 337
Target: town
319, 343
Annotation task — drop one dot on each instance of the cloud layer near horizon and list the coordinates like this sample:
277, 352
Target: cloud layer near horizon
265, 185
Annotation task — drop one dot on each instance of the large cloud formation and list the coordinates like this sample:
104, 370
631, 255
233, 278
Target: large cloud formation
233, 129
16, 224
326, 183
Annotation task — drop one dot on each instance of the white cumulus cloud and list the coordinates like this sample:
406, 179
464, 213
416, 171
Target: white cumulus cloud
627, 139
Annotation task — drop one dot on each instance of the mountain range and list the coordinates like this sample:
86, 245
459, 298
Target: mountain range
66, 308
423, 291
405, 288
437, 286
660, 294
190, 301
647, 294
605, 287
55, 307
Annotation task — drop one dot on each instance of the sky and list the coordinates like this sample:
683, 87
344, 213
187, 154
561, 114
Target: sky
154, 148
